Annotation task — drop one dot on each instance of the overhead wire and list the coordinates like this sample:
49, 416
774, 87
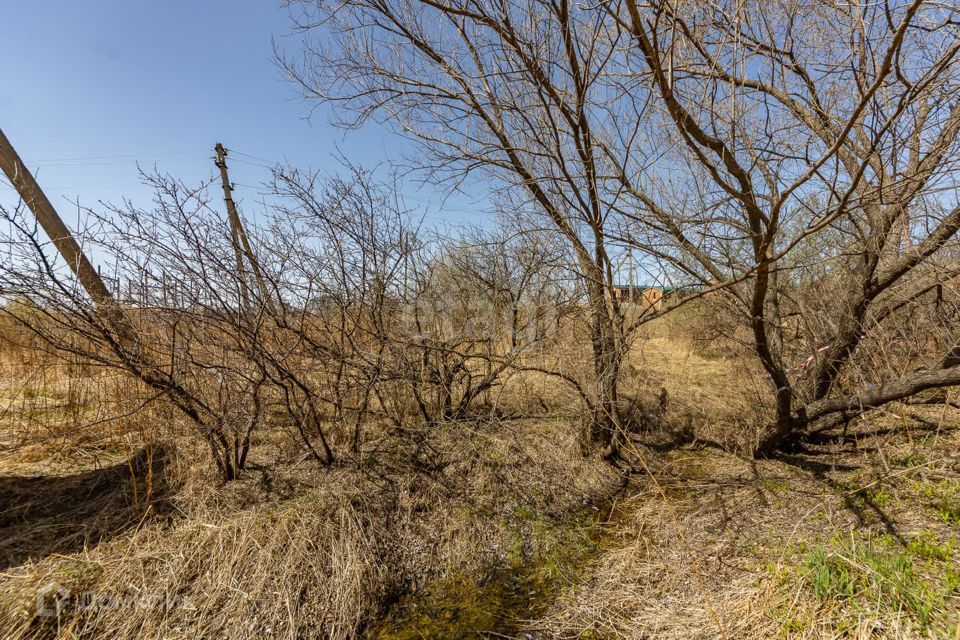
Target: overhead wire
117, 159
244, 158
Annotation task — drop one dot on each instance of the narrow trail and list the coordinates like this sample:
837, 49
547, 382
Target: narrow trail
498, 603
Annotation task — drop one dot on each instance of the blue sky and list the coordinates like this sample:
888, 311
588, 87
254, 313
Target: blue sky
89, 89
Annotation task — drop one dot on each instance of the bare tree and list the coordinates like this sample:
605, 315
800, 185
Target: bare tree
339, 249
355, 324
719, 138
478, 307
821, 129
529, 94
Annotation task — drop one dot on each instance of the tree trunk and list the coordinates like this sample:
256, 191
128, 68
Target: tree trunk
602, 427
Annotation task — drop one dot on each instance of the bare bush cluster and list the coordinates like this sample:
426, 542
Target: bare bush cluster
797, 158
794, 165
337, 317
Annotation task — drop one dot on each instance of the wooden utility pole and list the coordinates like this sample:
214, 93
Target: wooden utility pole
25, 184
236, 225
34, 197
241, 243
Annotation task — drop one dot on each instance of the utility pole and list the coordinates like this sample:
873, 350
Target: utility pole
25, 184
53, 225
241, 243
236, 225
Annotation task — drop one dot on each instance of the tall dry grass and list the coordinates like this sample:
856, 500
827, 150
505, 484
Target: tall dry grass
134, 515
110, 494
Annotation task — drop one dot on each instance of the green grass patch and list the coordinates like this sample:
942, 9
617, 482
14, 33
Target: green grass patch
543, 558
943, 497
877, 574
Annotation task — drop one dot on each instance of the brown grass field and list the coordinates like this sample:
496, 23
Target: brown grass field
113, 524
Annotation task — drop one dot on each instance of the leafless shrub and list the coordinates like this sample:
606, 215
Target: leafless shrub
796, 158
340, 316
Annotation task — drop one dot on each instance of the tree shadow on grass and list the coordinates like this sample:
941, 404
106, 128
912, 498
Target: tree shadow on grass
846, 437
43, 515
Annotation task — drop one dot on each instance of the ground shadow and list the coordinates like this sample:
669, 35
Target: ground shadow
837, 436
42, 515
818, 468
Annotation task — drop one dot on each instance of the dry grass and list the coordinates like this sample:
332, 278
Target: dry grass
717, 392
841, 542
483, 525
290, 550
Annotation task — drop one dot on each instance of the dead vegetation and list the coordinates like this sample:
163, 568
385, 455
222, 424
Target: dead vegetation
480, 525
291, 549
333, 422
836, 543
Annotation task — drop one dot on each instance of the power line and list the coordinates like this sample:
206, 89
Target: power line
254, 164
250, 155
118, 159
113, 157
76, 188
